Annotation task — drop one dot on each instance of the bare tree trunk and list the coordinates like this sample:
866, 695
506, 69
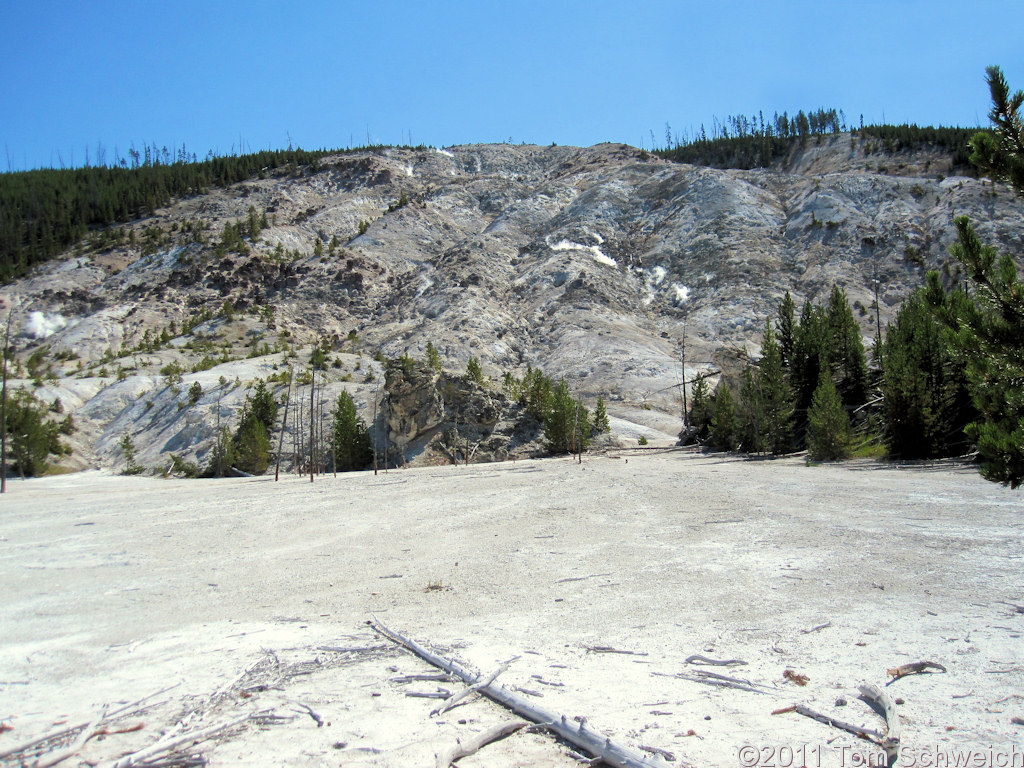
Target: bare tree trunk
376, 431
3, 407
284, 423
312, 425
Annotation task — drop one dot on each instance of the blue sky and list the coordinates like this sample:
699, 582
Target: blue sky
220, 75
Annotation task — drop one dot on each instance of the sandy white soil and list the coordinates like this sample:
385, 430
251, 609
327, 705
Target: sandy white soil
115, 588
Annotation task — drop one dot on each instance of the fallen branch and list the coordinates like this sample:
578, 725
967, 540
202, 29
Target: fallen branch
722, 681
660, 752
165, 746
309, 710
879, 701
914, 668
865, 733
455, 698
460, 750
128, 710
698, 659
574, 732
58, 757
438, 678
609, 649
818, 628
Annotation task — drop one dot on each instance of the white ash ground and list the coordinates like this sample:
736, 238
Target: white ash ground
118, 587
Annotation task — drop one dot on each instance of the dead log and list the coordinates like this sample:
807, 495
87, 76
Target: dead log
460, 750
458, 696
58, 757
879, 701
167, 745
698, 659
575, 732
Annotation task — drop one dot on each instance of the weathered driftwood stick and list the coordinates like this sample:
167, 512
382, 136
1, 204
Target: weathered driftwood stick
440, 693
309, 711
712, 678
864, 733
60, 756
698, 659
27, 745
879, 701
440, 677
609, 649
914, 668
574, 732
127, 710
458, 696
169, 745
818, 628
481, 740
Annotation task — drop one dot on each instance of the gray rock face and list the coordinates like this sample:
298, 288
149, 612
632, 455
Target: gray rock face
433, 418
592, 263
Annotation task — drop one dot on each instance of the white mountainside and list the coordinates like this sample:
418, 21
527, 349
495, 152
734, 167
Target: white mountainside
592, 263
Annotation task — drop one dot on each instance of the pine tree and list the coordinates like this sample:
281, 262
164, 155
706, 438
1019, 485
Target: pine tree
987, 332
777, 398
988, 329
723, 422
601, 416
926, 405
809, 349
128, 451
251, 445
474, 371
701, 408
566, 426
352, 447
787, 329
433, 358
845, 349
751, 414
828, 431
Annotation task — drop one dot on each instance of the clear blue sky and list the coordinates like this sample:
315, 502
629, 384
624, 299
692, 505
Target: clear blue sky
216, 74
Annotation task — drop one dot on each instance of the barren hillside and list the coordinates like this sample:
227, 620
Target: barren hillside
592, 263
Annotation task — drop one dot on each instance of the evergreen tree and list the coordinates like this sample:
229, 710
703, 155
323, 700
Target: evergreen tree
1001, 156
787, 330
750, 422
566, 426
844, 349
32, 437
723, 421
828, 431
701, 408
222, 457
777, 398
433, 358
925, 405
352, 447
474, 371
987, 330
128, 451
251, 448
601, 416
808, 350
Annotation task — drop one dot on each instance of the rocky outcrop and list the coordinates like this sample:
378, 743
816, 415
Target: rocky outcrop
432, 418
